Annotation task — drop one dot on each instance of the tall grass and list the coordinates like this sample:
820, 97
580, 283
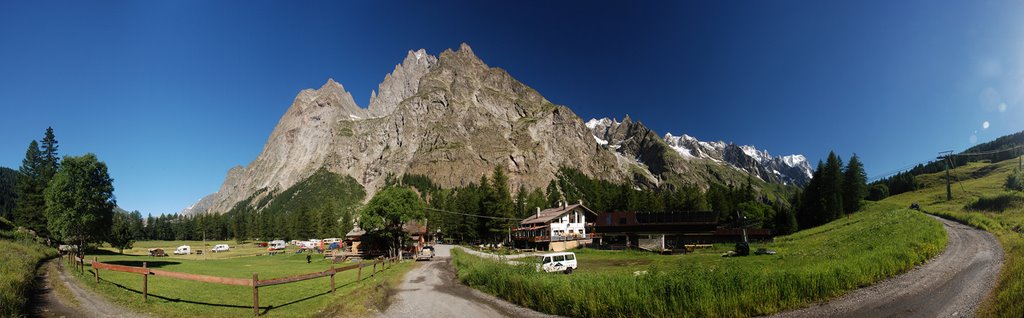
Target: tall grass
812, 265
19, 256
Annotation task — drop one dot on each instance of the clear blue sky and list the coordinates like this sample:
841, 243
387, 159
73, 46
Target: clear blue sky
172, 94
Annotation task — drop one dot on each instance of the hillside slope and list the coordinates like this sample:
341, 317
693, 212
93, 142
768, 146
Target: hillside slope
1000, 212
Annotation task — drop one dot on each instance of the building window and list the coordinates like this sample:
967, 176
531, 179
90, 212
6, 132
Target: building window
622, 221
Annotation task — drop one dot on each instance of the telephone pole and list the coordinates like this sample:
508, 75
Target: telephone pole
944, 156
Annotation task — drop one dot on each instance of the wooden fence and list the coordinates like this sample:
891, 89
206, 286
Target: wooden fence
255, 282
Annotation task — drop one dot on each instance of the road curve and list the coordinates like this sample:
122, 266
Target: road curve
432, 290
951, 285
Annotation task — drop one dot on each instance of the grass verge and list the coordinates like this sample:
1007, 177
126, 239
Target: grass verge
19, 257
811, 265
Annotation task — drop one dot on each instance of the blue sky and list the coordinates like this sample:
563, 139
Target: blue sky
172, 94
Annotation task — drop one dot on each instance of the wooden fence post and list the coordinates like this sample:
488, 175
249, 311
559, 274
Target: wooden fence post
95, 271
374, 272
255, 295
332, 278
145, 282
359, 274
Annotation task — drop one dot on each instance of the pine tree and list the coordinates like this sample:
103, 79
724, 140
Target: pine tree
855, 185
501, 204
30, 206
554, 197
50, 157
832, 187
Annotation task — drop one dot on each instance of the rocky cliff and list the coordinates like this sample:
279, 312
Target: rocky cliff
453, 118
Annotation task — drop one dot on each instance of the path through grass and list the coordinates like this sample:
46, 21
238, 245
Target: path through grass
999, 212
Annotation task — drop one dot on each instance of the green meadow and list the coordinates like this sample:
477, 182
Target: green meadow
979, 199
880, 241
169, 297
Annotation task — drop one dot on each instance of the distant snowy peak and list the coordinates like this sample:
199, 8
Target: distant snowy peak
791, 169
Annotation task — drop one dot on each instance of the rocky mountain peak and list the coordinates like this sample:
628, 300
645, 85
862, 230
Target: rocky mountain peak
401, 83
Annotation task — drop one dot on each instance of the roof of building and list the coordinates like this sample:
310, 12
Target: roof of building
553, 213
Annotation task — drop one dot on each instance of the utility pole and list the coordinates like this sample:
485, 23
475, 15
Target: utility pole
944, 156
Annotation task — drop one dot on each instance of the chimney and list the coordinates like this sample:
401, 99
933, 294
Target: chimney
581, 202
538, 212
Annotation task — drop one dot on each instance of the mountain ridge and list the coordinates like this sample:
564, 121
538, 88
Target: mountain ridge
452, 118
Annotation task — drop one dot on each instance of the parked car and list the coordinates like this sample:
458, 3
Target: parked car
183, 250
564, 262
157, 252
221, 248
426, 253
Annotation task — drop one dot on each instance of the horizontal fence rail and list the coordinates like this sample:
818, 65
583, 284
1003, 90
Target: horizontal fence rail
254, 282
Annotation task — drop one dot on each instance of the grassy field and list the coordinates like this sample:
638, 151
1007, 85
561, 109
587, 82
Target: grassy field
170, 297
979, 199
237, 250
880, 241
19, 256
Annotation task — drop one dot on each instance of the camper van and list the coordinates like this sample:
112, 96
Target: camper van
183, 250
276, 245
221, 248
564, 262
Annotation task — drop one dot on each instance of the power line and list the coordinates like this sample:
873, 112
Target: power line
474, 215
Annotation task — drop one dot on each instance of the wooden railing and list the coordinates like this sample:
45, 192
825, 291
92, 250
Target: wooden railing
255, 282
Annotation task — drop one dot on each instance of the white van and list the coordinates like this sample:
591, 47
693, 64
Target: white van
183, 250
221, 248
276, 245
557, 262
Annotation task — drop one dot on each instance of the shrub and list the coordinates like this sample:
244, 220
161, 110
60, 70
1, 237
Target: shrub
997, 203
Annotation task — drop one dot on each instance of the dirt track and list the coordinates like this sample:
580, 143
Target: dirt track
46, 303
432, 290
951, 285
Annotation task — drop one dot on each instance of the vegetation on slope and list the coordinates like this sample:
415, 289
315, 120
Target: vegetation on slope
981, 199
811, 265
19, 256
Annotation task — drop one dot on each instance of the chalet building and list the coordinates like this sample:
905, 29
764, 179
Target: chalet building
556, 229
418, 238
668, 230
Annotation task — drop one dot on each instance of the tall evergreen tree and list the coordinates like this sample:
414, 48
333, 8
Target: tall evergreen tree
855, 185
50, 157
30, 205
501, 204
553, 195
832, 187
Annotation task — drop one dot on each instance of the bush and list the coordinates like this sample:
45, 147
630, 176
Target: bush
1015, 181
997, 203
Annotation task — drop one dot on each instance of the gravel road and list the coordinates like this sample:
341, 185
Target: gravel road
432, 290
46, 303
951, 285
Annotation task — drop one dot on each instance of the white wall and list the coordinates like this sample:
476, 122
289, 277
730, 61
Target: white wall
573, 221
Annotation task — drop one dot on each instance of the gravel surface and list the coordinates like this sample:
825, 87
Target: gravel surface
46, 303
951, 285
432, 290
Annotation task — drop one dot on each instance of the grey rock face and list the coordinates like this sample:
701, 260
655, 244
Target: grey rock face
451, 118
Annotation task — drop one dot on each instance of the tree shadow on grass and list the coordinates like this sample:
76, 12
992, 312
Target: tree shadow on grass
265, 309
149, 264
